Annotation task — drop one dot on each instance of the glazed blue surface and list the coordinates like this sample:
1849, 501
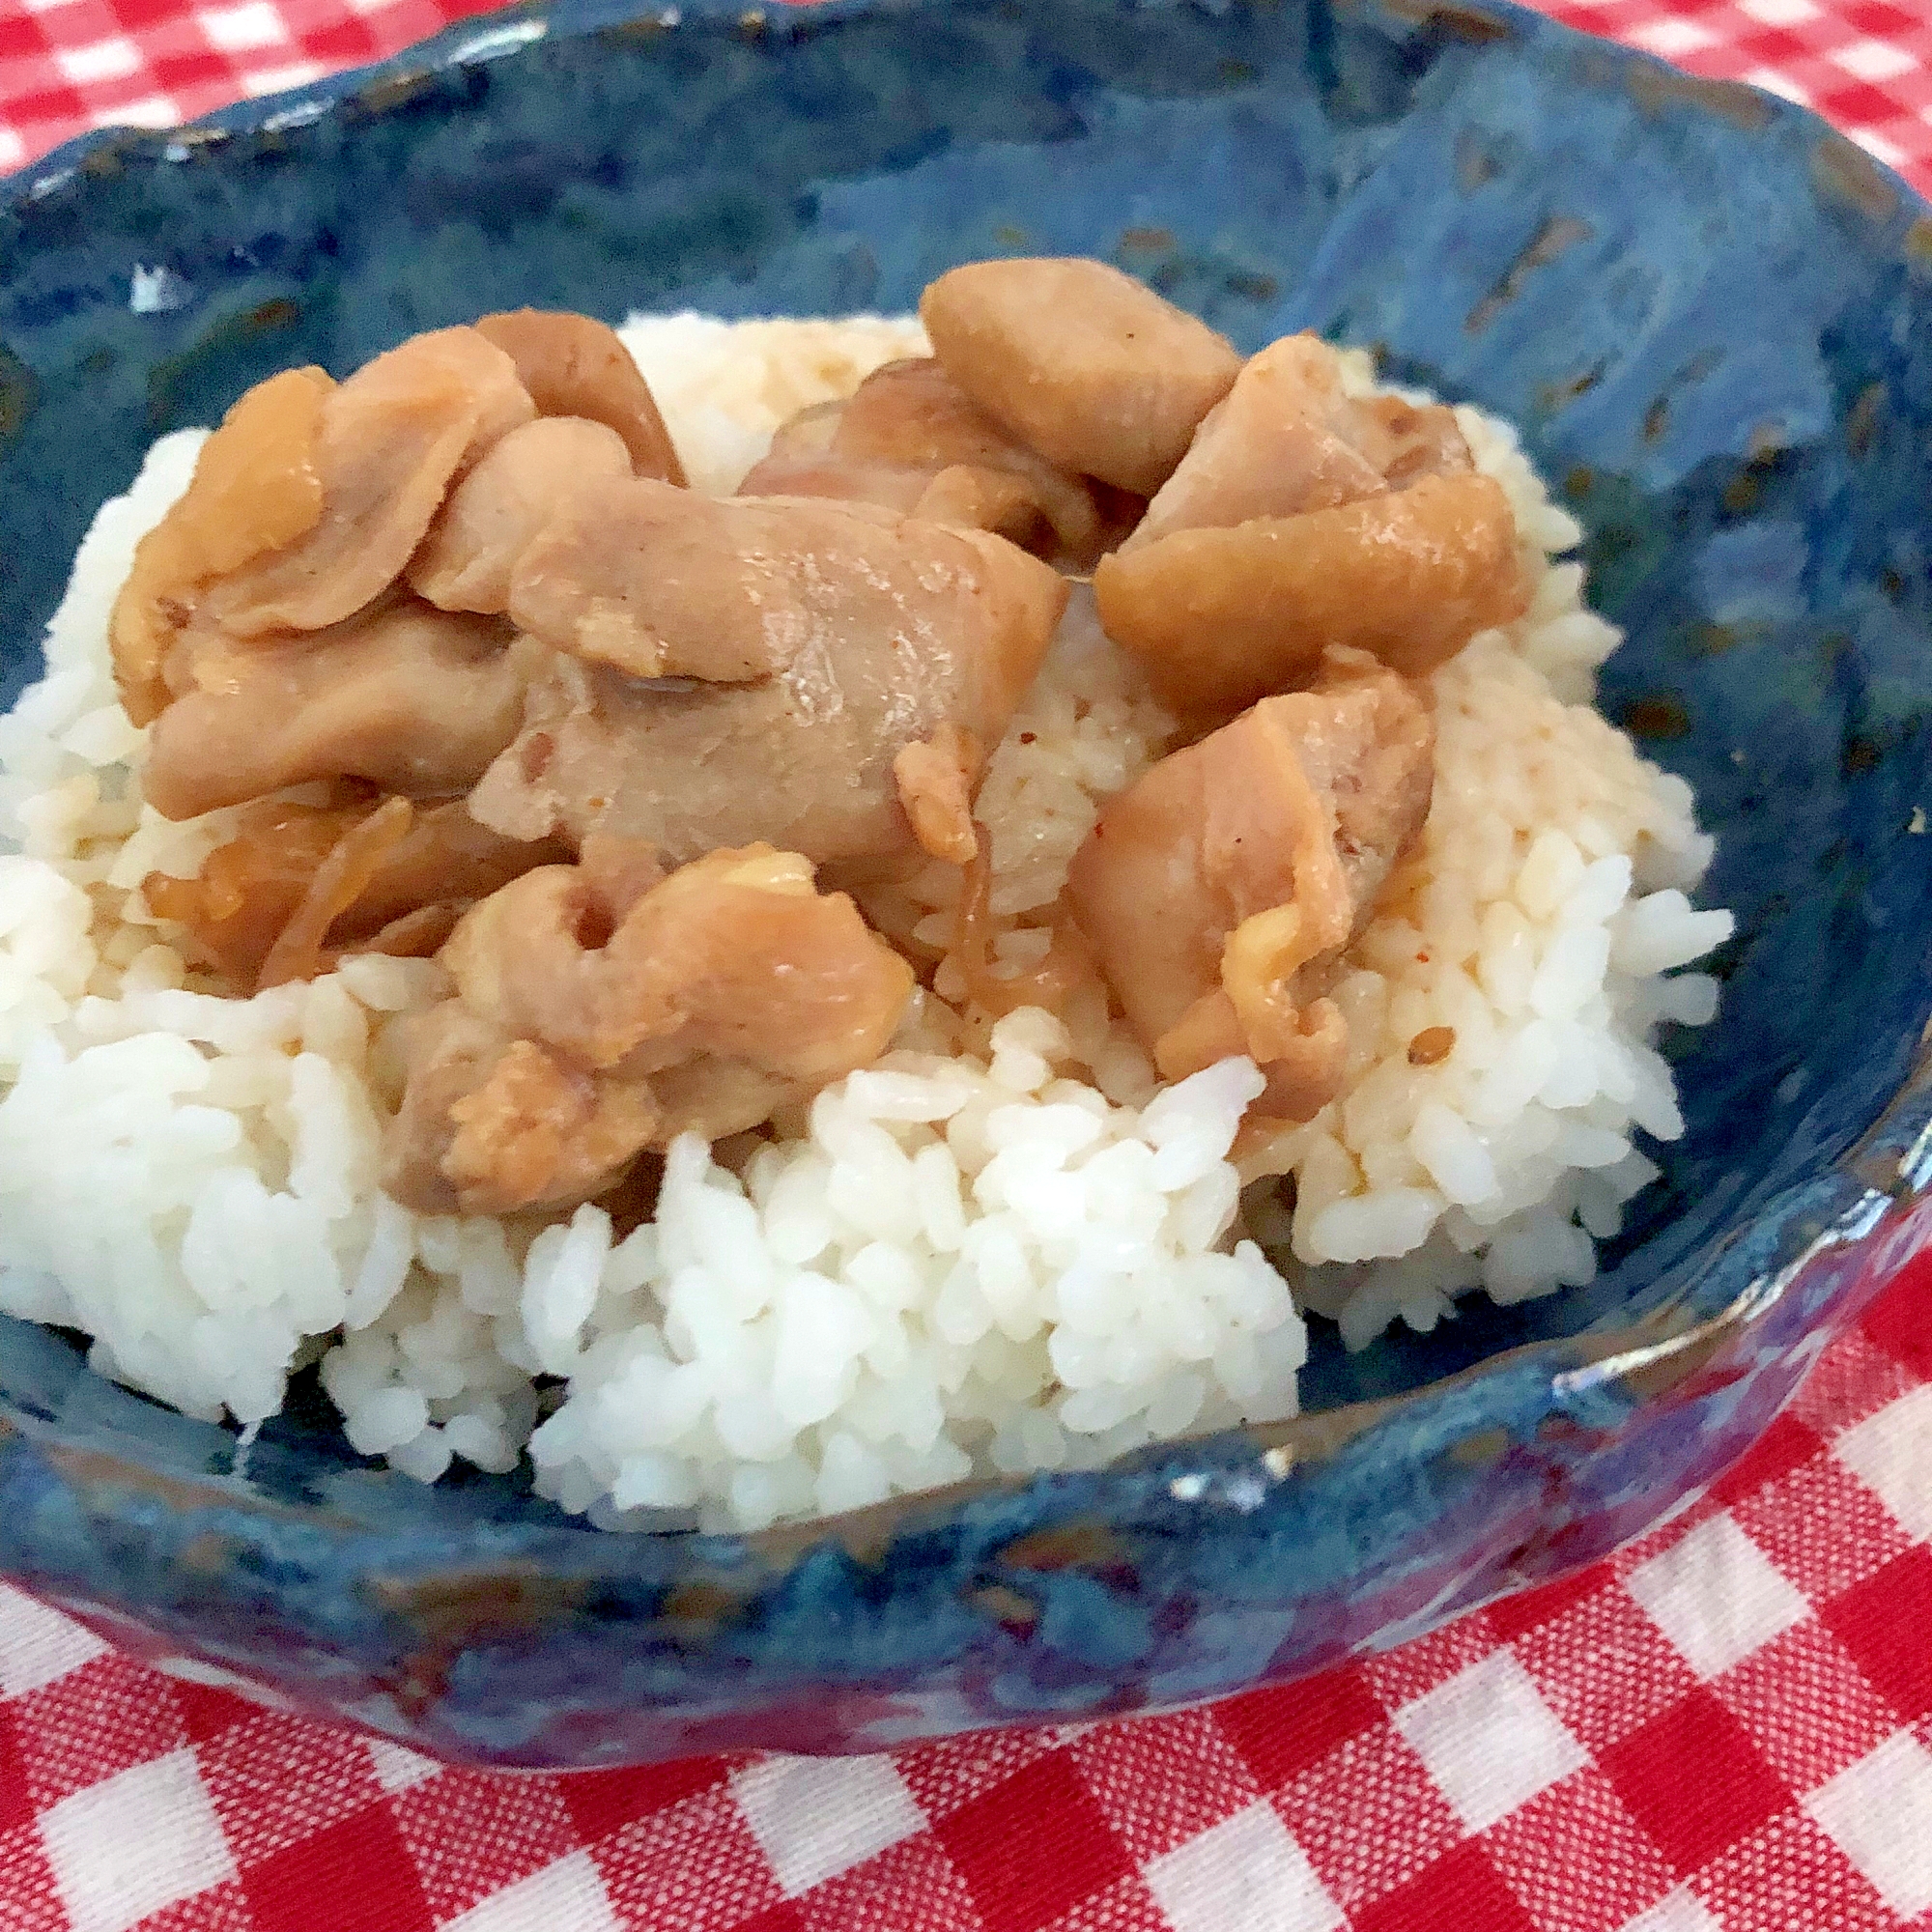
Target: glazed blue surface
1708, 314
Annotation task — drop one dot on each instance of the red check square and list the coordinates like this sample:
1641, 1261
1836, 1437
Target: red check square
1693, 1780
356, 1871
1014, 1891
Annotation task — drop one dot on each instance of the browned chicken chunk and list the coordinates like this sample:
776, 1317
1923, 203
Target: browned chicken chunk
304, 507
1218, 890
391, 441
256, 487
1221, 617
1285, 438
936, 778
911, 439
748, 669
1082, 363
582, 1032
497, 510
491, 1125
414, 699
1302, 518
574, 365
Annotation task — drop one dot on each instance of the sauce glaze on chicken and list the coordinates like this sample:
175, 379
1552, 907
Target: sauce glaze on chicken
479, 676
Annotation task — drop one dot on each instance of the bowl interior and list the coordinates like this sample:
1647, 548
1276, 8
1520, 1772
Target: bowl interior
1704, 312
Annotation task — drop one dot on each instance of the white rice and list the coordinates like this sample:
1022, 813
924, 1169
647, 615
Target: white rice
1001, 1249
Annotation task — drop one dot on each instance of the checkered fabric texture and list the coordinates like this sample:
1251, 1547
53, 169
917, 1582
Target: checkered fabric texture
1725, 1729
1722, 1729
70, 64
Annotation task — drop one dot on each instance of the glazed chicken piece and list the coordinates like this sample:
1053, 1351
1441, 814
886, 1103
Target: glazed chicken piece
730, 671
499, 509
1302, 518
249, 888
802, 461
1221, 617
1219, 889
574, 365
391, 441
412, 700
936, 778
1285, 438
583, 1030
1080, 362
305, 503
255, 488
910, 440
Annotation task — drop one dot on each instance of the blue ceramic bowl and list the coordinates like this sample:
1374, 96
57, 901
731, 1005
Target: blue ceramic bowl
1708, 313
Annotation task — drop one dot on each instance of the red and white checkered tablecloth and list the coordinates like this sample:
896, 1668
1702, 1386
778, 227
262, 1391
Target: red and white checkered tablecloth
70, 64
1725, 1729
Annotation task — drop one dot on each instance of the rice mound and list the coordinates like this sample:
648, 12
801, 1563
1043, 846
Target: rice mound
1003, 1248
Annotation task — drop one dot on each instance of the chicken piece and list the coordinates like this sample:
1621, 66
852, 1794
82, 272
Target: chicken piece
1219, 891
1082, 363
574, 365
1410, 440
972, 499
414, 701
445, 857
1275, 445
910, 440
1221, 617
618, 872
491, 1124
390, 442
742, 669
936, 778
583, 1030
247, 889
659, 584
497, 510
1300, 518
1285, 440
255, 488
737, 956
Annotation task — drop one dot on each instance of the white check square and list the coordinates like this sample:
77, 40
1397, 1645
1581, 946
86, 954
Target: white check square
1678, 1911
1879, 147
106, 60
1879, 1813
125, 1848
817, 1817
567, 1897
1872, 59
1887, 1453
1773, 82
257, 81
1488, 1739
1716, 1596
397, 1767
152, 110
1244, 1875
42, 1645
1673, 38
241, 29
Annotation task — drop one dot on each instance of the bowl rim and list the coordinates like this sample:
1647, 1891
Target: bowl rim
1889, 1162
